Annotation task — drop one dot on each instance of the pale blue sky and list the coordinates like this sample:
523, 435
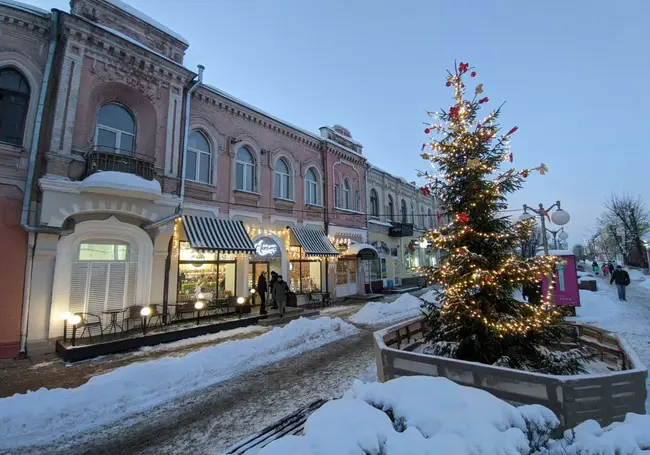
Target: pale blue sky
575, 75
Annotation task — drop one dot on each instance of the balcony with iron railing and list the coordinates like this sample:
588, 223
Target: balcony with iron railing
117, 172
102, 159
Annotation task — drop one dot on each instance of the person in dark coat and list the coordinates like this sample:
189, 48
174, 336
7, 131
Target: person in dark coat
279, 291
262, 289
274, 278
622, 280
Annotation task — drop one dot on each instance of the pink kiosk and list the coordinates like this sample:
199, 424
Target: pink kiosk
565, 280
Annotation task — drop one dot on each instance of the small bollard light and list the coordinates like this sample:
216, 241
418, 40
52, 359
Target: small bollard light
144, 312
199, 305
74, 320
200, 296
240, 301
65, 316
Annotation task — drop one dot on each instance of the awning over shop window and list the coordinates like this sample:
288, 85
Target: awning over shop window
362, 251
219, 235
314, 242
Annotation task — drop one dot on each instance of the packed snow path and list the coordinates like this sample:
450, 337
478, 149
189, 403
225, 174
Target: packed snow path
631, 319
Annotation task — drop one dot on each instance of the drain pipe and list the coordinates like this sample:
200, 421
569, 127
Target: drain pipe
186, 129
186, 132
29, 183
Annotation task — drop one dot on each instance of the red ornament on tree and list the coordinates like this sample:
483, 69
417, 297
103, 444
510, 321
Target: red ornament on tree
524, 173
483, 100
463, 67
463, 217
453, 111
427, 131
512, 131
438, 216
473, 74
425, 190
448, 84
510, 157
475, 186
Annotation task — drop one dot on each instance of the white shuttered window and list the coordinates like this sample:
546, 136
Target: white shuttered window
104, 277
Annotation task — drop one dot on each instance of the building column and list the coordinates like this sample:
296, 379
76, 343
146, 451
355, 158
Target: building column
40, 304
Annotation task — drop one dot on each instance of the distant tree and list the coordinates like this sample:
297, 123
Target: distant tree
627, 220
530, 244
579, 252
607, 245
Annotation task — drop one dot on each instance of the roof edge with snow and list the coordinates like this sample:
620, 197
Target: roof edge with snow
146, 19
24, 7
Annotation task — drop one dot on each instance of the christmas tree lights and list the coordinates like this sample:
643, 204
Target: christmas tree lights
476, 317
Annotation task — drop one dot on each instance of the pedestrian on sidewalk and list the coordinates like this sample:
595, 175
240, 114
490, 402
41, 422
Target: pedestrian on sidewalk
596, 268
262, 289
274, 278
280, 289
605, 269
622, 280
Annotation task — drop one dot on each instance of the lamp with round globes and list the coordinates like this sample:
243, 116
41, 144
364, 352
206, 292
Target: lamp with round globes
526, 216
563, 235
65, 316
560, 217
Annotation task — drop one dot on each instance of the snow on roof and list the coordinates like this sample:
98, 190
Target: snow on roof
24, 7
144, 18
259, 111
556, 253
134, 41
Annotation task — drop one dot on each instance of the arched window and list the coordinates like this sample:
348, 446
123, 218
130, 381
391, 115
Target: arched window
374, 203
115, 130
391, 208
346, 194
14, 102
311, 188
412, 213
245, 170
430, 219
199, 158
404, 213
282, 189
423, 220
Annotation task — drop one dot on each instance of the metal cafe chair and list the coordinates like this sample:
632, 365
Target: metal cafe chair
88, 322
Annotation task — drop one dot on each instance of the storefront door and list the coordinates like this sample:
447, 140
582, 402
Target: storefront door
254, 271
346, 277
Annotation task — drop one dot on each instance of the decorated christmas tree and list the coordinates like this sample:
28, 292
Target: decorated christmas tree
476, 317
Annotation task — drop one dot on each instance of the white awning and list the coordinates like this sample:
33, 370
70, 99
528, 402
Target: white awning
362, 251
218, 235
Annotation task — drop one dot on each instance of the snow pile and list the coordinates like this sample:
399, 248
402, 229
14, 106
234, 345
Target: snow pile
632, 436
45, 415
432, 416
418, 415
406, 306
596, 307
430, 297
119, 183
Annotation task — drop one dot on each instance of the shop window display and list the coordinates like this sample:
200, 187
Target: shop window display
305, 276
205, 272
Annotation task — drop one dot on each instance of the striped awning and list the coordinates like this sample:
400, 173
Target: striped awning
314, 242
207, 233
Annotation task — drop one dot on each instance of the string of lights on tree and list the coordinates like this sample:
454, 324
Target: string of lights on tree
481, 270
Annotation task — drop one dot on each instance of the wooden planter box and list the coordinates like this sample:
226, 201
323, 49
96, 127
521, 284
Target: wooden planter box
574, 399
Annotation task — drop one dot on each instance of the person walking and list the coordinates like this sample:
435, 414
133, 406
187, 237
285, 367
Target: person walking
605, 269
274, 278
622, 280
596, 268
262, 289
279, 292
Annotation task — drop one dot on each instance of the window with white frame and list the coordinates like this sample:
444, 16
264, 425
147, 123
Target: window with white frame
430, 218
346, 194
311, 188
282, 184
412, 213
391, 208
199, 158
337, 195
404, 212
14, 102
374, 203
115, 131
245, 170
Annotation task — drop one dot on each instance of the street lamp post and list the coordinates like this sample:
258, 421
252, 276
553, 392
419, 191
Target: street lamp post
559, 217
563, 236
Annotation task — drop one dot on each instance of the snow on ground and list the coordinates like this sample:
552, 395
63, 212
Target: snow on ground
373, 313
596, 307
45, 415
430, 296
436, 416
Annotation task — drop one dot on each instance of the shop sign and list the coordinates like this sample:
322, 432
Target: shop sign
266, 247
401, 230
384, 273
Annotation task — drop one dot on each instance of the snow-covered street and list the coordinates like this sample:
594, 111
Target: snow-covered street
631, 319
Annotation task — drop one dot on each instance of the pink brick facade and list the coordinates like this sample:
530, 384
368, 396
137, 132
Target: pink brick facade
106, 56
